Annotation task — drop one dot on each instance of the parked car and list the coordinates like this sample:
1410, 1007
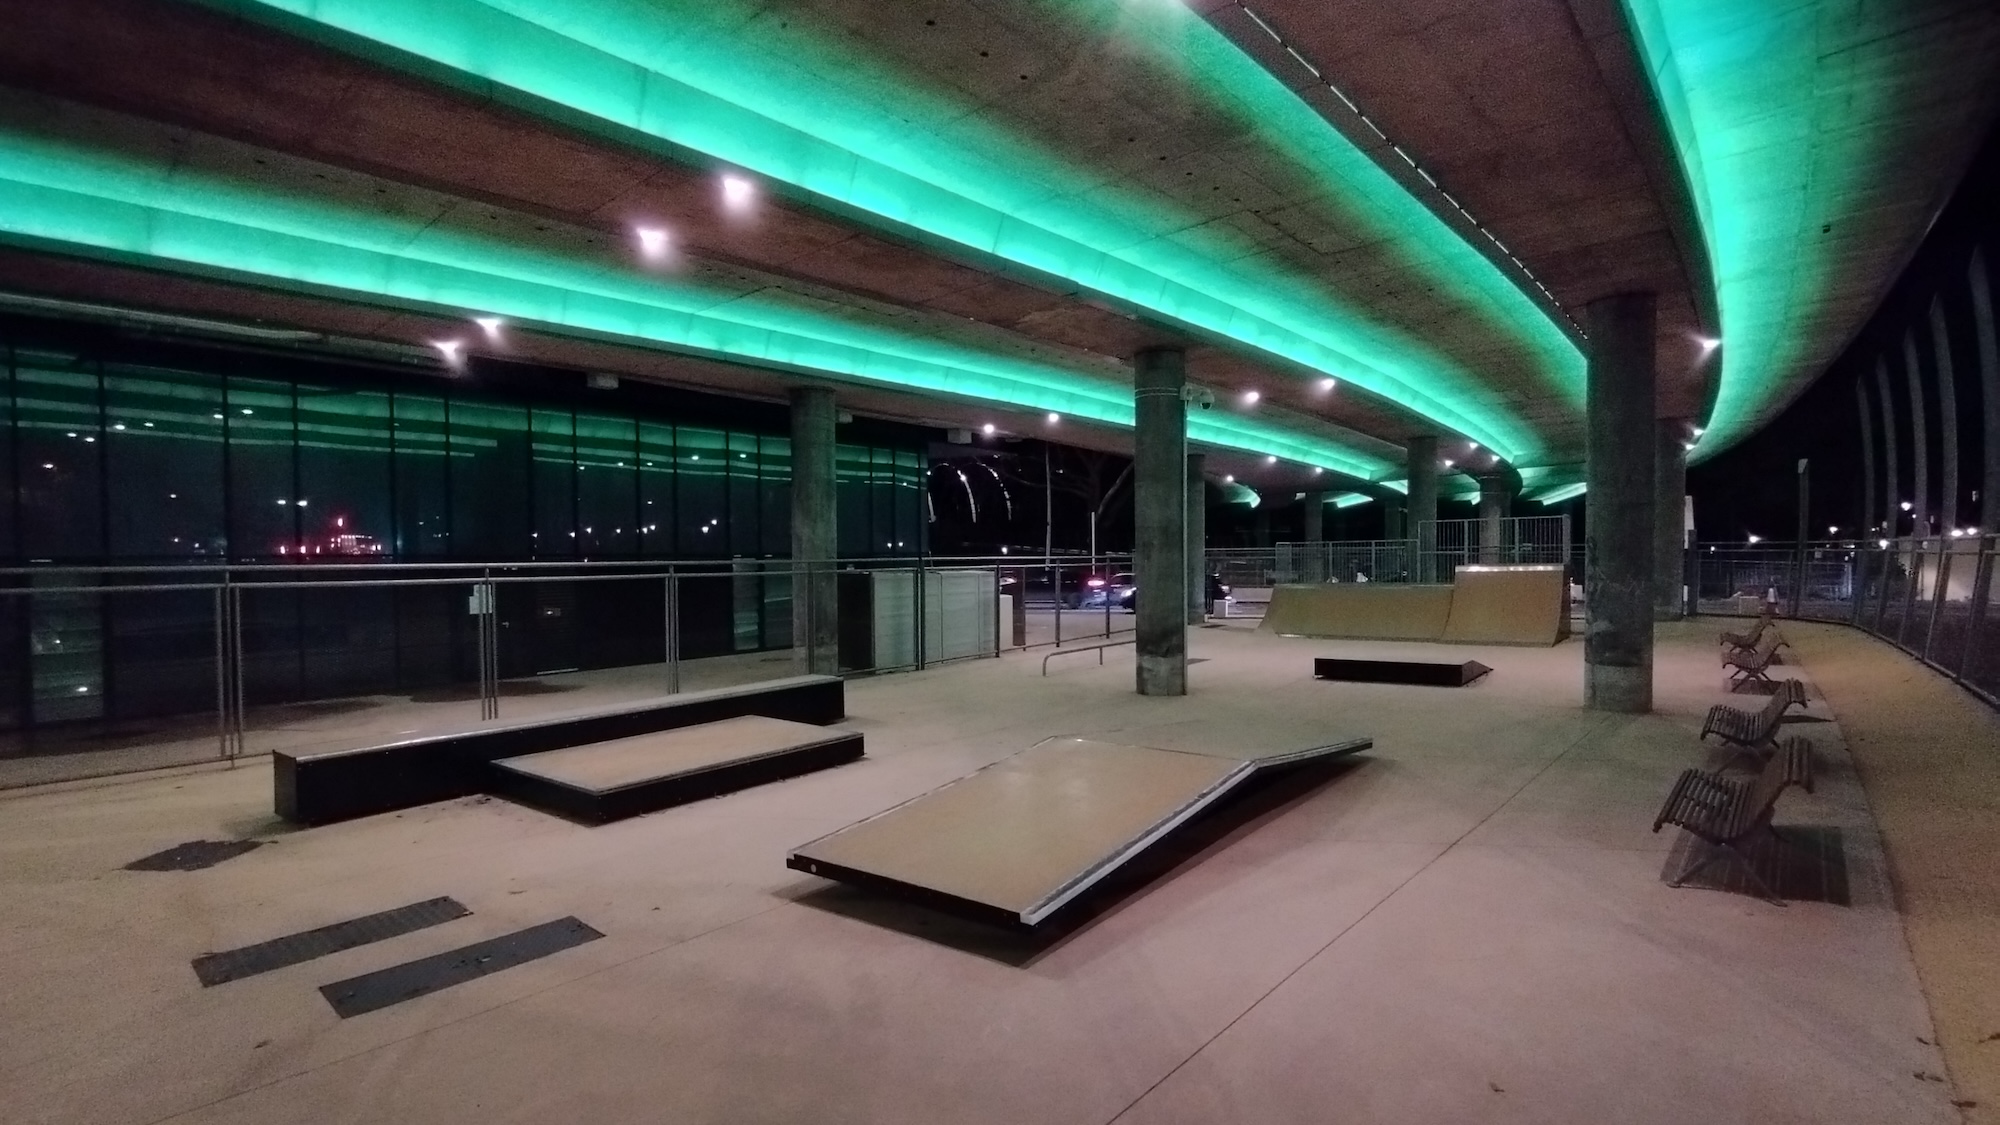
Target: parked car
1217, 591
1098, 591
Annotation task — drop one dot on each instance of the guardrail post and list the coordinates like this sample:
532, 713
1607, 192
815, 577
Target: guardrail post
1975, 618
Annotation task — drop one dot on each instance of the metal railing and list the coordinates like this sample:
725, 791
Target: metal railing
1438, 548
122, 668
1933, 597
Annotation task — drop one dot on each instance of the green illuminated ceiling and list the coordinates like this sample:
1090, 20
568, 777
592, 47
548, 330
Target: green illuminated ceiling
175, 204
727, 79
1803, 130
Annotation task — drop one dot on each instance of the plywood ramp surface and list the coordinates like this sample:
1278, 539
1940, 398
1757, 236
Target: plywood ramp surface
1508, 607
1360, 610
603, 766
1023, 836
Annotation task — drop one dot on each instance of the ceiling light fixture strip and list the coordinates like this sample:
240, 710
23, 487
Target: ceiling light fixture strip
1454, 204
85, 215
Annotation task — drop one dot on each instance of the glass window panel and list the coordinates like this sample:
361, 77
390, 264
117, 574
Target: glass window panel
163, 460
912, 531
775, 489
489, 451
704, 502
851, 468
656, 490
9, 546
263, 490
344, 451
62, 454
882, 504
554, 469
745, 509
422, 478
607, 486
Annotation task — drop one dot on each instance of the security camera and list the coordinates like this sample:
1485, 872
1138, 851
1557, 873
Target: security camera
1198, 396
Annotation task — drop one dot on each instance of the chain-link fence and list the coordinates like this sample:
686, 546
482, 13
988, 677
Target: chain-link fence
1439, 548
1932, 597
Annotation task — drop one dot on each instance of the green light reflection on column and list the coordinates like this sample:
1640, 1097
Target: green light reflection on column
1769, 108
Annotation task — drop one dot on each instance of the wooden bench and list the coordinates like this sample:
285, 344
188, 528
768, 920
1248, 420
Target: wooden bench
1753, 731
1748, 640
1752, 666
323, 787
1725, 813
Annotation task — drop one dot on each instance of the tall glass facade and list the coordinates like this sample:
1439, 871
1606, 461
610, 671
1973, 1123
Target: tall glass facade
122, 463
173, 455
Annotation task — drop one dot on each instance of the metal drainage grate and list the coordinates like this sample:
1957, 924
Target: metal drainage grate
295, 949
373, 991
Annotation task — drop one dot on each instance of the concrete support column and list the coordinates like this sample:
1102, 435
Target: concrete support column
1618, 530
1422, 507
1314, 555
1392, 518
1670, 465
1315, 517
815, 543
1159, 520
1197, 538
1494, 501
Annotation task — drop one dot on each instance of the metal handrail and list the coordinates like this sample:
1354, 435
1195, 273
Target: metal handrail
1098, 649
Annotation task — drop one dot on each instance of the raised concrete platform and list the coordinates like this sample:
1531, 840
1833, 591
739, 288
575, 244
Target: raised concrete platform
1421, 672
608, 781
319, 788
1017, 841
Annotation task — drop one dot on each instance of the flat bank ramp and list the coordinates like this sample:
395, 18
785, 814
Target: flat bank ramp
606, 781
1016, 841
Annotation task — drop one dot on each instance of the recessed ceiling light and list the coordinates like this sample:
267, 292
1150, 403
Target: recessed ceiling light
491, 324
1327, 385
1229, 478
1250, 398
1054, 418
652, 241
737, 191
987, 429
449, 349
1271, 459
